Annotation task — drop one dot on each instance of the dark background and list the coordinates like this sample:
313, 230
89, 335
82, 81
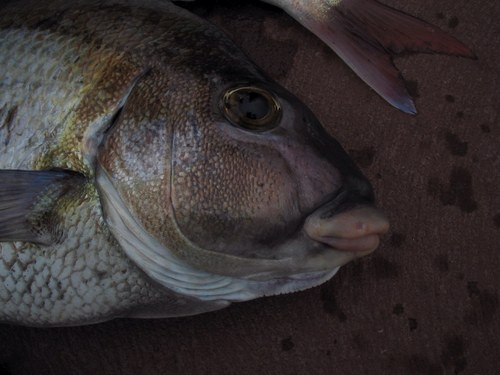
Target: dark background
426, 302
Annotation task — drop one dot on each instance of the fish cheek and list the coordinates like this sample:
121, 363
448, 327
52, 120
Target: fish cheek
234, 198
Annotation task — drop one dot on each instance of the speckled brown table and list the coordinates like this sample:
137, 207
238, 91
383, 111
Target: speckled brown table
425, 303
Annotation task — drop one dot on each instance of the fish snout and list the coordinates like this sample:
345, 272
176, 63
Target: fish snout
356, 230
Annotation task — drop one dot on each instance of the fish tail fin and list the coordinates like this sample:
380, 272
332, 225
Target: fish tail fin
365, 34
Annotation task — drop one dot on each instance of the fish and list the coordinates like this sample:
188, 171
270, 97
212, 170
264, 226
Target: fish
366, 34
149, 169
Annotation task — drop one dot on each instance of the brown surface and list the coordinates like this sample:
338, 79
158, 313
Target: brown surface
425, 303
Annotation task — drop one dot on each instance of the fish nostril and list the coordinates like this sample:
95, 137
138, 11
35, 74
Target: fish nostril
359, 190
356, 191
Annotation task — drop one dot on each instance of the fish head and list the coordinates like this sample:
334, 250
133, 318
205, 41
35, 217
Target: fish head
234, 178
266, 181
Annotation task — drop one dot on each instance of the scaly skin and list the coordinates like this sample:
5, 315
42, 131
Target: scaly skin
46, 285
85, 277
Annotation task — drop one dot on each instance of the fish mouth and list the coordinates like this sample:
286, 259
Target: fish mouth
353, 228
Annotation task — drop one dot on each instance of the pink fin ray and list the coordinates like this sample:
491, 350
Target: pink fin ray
365, 34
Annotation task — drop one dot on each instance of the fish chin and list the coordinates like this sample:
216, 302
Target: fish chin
171, 272
289, 284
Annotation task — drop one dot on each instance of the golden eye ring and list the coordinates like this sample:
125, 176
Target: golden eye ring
251, 108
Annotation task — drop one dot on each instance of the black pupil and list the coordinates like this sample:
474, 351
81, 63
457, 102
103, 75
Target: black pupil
253, 106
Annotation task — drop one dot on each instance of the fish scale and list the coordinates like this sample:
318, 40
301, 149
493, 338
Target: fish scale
57, 288
86, 277
26, 78
53, 285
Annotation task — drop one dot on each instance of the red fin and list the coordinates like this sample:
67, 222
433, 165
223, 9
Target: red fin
364, 33
373, 65
397, 31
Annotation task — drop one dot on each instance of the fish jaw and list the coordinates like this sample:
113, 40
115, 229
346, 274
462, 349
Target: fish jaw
356, 231
206, 290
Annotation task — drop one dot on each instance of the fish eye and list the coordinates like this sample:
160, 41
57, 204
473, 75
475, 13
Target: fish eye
252, 108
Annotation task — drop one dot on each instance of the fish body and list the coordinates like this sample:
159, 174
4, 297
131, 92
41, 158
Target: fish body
149, 169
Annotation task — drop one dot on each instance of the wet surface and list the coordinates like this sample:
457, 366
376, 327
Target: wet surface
455, 145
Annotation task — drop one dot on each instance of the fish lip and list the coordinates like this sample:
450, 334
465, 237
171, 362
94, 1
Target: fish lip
361, 246
348, 222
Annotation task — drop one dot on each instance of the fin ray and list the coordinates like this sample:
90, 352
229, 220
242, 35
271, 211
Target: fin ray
397, 31
365, 34
26, 201
375, 67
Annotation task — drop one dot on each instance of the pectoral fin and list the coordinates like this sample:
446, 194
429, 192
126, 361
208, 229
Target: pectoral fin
27, 202
365, 34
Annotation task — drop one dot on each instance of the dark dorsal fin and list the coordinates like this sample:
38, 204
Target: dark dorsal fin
27, 201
